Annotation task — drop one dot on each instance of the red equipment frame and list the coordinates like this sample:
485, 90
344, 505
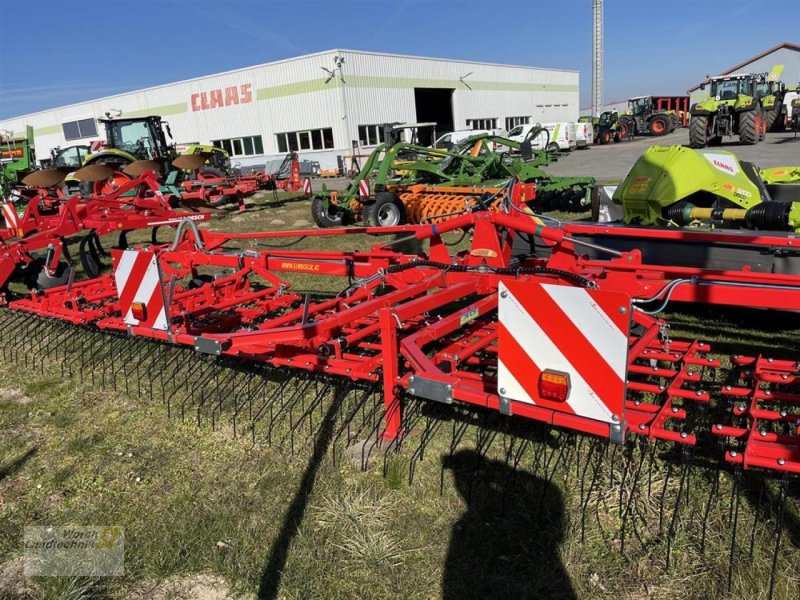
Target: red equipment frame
426, 326
48, 220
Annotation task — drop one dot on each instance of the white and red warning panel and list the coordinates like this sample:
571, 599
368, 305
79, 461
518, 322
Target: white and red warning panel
363, 188
141, 290
10, 215
564, 348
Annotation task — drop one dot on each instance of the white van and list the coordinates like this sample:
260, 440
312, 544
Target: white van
448, 140
562, 135
584, 134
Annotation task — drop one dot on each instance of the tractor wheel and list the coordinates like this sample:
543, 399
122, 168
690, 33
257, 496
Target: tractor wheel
212, 171
658, 126
326, 214
623, 131
386, 211
605, 137
698, 132
749, 127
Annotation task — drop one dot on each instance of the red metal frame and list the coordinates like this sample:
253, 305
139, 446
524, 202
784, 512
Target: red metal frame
404, 319
49, 219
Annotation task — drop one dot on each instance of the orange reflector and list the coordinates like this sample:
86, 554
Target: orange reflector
139, 311
554, 385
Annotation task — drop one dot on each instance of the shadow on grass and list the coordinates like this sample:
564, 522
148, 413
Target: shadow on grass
269, 584
506, 544
6, 470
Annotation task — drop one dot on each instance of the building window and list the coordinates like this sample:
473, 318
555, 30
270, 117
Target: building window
244, 146
310, 139
370, 135
512, 122
482, 123
75, 130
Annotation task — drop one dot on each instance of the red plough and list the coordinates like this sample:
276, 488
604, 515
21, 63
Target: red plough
51, 218
557, 339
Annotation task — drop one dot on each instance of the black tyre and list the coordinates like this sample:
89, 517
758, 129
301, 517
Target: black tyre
624, 130
659, 125
605, 137
223, 200
37, 278
552, 147
212, 171
386, 211
698, 131
773, 123
326, 214
749, 127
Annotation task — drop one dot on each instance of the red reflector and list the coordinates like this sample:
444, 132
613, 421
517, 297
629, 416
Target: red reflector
554, 385
139, 311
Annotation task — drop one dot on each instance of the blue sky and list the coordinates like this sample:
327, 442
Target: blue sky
58, 52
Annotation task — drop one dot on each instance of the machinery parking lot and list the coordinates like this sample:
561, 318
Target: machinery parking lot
610, 163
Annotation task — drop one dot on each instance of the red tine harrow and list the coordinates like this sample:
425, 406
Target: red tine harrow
543, 339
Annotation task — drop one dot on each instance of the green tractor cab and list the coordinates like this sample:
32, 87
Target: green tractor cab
679, 186
735, 107
131, 139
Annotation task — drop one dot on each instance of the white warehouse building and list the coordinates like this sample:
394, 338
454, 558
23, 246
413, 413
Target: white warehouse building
322, 105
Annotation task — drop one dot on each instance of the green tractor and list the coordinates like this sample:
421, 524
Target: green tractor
17, 158
771, 93
132, 139
678, 186
607, 129
732, 108
643, 117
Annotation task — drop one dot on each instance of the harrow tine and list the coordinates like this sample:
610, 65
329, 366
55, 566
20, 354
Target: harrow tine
458, 430
735, 494
433, 423
783, 486
686, 465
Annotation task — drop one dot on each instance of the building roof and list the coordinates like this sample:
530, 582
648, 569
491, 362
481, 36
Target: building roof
734, 68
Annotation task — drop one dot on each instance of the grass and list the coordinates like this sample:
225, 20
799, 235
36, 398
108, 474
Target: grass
308, 522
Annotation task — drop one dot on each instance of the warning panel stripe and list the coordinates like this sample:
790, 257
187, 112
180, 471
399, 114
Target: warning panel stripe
517, 360
592, 320
584, 399
10, 215
132, 267
559, 325
148, 287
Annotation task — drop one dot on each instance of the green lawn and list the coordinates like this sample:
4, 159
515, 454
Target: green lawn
279, 506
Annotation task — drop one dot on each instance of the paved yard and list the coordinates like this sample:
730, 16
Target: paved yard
613, 161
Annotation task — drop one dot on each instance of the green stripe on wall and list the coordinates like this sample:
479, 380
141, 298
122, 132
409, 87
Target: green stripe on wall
374, 81
46, 130
167, 109
293, 89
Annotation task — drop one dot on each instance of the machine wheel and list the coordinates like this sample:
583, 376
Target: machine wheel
212, 171
37, 278
552, 147
326, 214
749, 127
658, 126
223, 200
386, 211
698, 131
605, 137
623, 130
